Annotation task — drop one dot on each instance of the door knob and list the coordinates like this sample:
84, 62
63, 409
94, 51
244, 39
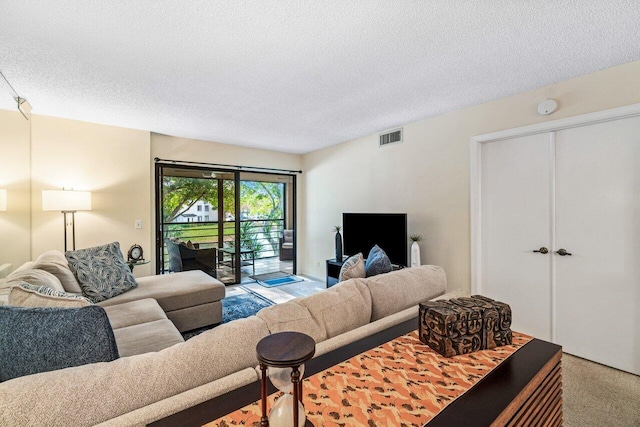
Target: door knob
543, 250
563, 252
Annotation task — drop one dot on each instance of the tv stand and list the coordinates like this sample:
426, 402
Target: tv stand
334, 266
333, 270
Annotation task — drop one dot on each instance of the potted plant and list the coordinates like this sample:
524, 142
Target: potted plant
415, 250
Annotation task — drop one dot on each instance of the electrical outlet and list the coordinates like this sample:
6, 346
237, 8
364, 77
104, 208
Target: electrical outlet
318, 264
138, 223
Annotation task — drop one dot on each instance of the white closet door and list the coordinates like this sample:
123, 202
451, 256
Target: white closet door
598, 222
515, 220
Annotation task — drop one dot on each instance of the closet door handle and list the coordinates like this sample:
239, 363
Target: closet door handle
543, 250
563, 252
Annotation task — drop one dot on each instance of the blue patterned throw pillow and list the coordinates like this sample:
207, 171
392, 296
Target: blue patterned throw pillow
101, 271
45, 290
44, 339
377, 262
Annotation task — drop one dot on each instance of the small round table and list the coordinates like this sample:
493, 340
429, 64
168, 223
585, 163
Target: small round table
284, 350
132, 264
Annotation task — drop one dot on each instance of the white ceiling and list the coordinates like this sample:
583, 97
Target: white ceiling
297, 76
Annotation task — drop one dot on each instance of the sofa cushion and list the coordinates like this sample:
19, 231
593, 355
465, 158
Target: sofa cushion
395, 291
55, 263
124, 385
101, 271
174, 291
146, 337
27, 295
292, 316
340, 308
35, 276
27, 265
352, 268
134, 313
377, 262
43, 339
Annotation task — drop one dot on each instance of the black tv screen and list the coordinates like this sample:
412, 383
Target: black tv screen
361, 231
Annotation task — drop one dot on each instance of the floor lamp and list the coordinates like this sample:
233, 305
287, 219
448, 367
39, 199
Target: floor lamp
67, 202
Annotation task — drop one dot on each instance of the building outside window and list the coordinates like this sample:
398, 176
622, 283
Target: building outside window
199, 208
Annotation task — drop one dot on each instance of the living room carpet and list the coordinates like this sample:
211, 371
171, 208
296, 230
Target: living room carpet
595, 395
244, 305
236, 307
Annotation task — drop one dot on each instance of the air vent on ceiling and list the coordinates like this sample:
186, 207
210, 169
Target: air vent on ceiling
395, 136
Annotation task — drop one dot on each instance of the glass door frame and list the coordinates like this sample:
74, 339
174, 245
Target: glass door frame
159, 209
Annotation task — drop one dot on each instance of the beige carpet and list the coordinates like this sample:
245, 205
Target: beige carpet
596, 395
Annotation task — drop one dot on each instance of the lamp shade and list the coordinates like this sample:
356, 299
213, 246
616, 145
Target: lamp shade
3, 199
66, 200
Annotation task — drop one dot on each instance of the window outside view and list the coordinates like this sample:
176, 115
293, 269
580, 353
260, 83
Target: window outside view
191, 212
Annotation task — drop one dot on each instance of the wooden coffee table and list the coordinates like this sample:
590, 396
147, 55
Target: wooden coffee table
525, 389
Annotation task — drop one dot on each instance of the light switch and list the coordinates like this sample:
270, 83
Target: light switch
138, 223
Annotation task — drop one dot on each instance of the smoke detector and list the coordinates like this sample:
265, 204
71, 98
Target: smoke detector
547, 106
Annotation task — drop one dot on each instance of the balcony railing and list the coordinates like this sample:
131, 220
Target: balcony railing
261, 235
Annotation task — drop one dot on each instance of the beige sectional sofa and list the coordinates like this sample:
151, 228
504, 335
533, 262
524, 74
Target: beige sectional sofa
143, 388
147, 318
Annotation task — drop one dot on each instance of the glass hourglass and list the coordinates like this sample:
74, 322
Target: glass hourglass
283, 354
281, 414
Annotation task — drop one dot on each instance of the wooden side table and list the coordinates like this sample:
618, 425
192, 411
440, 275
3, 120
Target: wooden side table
132, 264
333, 270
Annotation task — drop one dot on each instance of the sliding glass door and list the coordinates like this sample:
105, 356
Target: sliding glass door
245, 220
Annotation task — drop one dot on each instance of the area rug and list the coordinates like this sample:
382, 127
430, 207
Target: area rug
236, 307
278, 278
268, 276
280, 281
244, 305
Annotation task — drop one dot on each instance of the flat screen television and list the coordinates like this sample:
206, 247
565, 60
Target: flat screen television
361, 231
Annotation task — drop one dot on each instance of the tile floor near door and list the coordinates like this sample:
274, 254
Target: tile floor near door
262, 266
278, 294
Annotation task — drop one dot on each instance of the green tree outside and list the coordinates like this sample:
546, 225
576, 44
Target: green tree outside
259, 201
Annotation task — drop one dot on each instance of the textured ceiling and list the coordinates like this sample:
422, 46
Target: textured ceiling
296, 76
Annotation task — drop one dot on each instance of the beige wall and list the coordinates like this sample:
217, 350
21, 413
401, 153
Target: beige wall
15, 222
112, 163
427, 176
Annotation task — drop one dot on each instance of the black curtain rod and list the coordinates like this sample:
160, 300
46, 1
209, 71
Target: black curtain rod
237, 167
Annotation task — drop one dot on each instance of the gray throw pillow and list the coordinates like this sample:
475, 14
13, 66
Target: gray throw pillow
352, 268
44, 339
377, 262
101, 271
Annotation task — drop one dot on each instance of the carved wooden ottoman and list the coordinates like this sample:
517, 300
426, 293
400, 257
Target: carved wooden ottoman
464, 325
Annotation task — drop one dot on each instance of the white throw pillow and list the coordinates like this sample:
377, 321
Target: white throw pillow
55, 263
25, 295
34, 277
352, 268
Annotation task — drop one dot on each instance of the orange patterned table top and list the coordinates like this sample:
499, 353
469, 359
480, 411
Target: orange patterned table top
400, 383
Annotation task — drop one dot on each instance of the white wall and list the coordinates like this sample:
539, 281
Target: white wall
427, 176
